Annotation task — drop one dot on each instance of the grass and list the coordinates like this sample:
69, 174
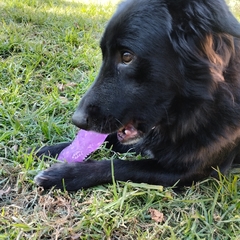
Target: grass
49, 56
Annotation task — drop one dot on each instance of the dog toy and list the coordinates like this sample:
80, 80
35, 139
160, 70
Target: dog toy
85, 143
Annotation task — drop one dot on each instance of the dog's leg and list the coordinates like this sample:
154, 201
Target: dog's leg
78, 175
50, 151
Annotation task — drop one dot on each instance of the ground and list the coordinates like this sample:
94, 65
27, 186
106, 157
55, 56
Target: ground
49, 56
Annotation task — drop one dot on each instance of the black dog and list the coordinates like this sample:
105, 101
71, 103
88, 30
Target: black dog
169, 86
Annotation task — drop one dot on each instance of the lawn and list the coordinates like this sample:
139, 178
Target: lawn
49, 56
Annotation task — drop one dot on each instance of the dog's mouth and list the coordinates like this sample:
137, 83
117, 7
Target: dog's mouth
129, 134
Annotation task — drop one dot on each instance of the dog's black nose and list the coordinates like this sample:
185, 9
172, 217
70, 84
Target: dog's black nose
80, 119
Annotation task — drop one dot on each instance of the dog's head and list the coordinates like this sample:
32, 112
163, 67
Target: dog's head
151, 50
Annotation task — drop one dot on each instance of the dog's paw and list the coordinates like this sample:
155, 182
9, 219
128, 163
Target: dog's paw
60, 175
76, 175
69, 176
48, 179
40, 179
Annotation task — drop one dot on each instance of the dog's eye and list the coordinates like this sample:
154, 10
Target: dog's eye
127, 57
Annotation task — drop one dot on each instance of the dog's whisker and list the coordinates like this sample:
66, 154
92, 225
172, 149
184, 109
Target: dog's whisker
166, 111
119, 122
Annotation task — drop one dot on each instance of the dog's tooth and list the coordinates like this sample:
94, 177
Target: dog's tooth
127, 132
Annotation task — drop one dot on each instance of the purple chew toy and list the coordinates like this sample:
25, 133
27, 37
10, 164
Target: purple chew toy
84, 143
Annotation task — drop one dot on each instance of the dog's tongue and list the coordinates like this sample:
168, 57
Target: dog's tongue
85, 143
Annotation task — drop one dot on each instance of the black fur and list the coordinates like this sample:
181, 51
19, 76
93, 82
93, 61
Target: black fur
181, 90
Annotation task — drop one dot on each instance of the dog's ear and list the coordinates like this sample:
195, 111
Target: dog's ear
214, 13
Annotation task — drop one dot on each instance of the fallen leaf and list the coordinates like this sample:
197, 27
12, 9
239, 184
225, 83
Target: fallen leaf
63, 99
62, 87
5, 192
76, 236
71, 84
156, 216
15, 148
